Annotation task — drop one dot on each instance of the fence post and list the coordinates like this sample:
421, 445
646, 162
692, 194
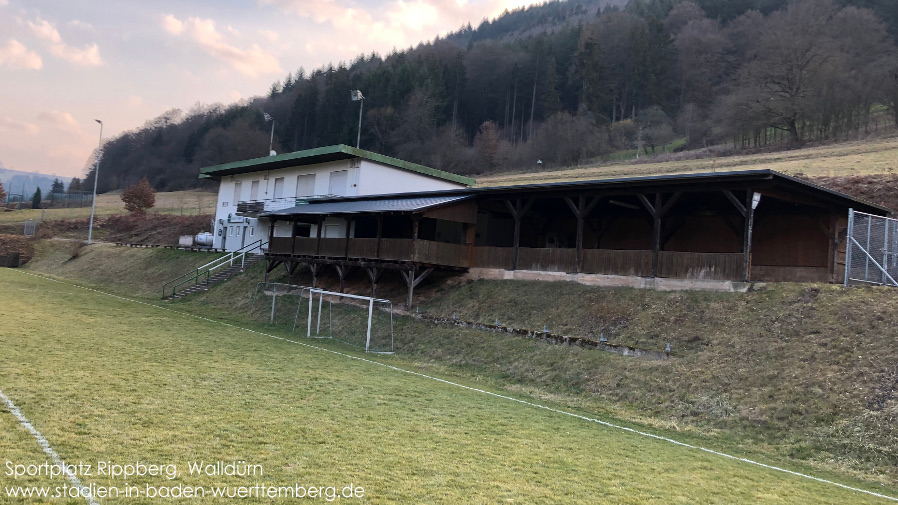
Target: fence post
849, 237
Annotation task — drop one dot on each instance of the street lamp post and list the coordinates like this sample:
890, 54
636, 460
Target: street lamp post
356, 96
271, 141
93, 203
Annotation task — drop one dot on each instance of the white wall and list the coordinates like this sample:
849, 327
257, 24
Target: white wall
369, 178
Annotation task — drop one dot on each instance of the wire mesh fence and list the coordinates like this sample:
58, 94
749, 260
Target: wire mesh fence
871, 254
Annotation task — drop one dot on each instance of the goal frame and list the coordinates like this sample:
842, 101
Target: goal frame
321, 293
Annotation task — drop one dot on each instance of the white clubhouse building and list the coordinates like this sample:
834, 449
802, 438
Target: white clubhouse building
249, 188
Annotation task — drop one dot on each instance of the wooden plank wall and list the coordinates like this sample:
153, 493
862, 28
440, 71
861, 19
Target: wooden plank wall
547, 259
493, 257
613, 262
703, 266
279, 245
441, 253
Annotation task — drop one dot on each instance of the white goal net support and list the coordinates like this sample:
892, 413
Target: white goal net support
360, 321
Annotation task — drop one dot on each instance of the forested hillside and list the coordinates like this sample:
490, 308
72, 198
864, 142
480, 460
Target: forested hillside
563, 82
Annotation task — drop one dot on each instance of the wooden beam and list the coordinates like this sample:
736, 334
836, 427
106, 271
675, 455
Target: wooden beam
348, 229
413, 282
318, 235
645, 201
380, 230
656, 236
673, 199
517, 210
374, 274
746, 245
741, 208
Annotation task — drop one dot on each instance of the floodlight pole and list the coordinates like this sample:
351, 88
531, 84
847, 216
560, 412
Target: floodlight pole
357, 95
271, 140
93, 203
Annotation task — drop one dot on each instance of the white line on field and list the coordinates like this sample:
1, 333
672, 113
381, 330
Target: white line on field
490, 393
45, 445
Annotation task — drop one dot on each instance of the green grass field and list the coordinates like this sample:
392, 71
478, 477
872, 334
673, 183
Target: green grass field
108, 379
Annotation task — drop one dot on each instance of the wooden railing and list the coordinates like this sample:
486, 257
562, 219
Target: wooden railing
612, 262
305, 246
279, 245
704, 266
333, 247
363, 248
397, 249
684, 265
441, 253
493, 257
547, 260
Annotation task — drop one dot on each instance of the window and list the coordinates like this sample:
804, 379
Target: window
332, 231
230, 231
279, 188
254, 191
251, 230
337, 185
305, 185
238, 187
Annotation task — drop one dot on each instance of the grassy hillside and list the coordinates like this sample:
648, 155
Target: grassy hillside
863, 157
182, 203
792, 371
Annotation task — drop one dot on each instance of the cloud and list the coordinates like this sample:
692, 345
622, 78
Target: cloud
172, 25
89, 56
14, 54
135, 101
60, 120
202, 32
8, 123
4, 3
399, 22
80, 24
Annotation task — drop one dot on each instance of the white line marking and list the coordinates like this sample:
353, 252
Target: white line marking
490, 393
82, 491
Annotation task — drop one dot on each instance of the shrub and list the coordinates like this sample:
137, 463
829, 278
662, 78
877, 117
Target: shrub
139, 197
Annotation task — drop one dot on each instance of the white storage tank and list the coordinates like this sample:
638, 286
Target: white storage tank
204, 239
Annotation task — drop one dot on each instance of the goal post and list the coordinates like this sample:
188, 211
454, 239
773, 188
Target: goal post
362, 321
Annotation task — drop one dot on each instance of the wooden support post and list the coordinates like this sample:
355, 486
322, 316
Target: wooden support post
517, 211
315, 268
580, 210
746, 245
416, 221
318, 235
657, 211
374, 274
292, 238
271, 233
470, 238
656, 236
341, 274
380, 230
348, 229
413, 281
833, 246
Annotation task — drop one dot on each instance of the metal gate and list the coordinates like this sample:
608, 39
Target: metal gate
871, 253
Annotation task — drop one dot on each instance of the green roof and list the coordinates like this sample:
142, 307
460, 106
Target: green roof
323, 155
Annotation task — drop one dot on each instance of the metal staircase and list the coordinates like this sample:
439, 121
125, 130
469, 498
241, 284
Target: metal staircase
215, 271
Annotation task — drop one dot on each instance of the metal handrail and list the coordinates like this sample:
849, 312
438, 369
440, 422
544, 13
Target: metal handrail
221, 261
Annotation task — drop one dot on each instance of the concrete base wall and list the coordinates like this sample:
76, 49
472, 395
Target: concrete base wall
610, 280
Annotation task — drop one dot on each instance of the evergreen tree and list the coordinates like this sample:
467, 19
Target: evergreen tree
36, 199
57, 186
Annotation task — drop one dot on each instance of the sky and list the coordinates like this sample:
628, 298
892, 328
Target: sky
64, 64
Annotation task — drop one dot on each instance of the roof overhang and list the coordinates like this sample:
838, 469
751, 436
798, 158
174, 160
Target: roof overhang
758, 180
324, 155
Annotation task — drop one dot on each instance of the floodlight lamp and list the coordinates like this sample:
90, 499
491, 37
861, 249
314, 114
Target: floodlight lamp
755, 200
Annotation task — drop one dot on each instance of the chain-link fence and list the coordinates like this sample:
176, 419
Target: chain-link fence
871, 254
